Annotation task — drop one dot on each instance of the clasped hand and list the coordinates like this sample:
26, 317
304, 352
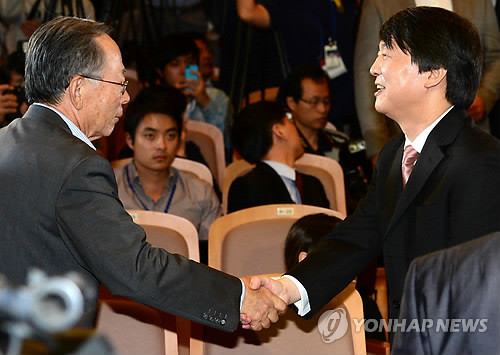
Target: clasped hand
265, 300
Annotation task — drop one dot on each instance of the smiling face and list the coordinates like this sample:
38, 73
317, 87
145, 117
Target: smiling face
400, 87
104, 101
155, 143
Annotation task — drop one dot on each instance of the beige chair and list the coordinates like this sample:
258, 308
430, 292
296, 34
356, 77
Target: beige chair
251, 241
199, 170
133, 328
330, 173
177, 235
211, 143
295, 335
232, 171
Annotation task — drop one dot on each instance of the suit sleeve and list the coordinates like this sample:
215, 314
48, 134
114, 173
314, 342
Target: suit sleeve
341, 255
103, 239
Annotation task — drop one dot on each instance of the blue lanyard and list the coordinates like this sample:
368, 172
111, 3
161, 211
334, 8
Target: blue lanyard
139, 199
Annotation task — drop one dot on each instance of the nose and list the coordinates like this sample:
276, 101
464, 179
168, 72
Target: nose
161, 142
323, 106
125, 98
375, 68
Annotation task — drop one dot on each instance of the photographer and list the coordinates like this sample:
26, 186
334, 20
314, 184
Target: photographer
13, 102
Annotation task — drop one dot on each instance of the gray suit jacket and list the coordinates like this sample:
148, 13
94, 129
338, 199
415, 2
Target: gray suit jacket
376, 128
60, 212
461, 285
452, 196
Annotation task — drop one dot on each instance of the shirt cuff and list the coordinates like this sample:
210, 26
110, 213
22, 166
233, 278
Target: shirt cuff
303, 305
242, 293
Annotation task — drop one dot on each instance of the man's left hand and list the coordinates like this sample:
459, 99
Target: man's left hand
197, 89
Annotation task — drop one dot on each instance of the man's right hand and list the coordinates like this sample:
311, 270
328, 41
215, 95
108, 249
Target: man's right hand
260, 307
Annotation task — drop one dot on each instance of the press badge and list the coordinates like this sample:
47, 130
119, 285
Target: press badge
334, 65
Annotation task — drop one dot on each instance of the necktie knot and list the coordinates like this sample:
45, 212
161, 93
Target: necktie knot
410, 156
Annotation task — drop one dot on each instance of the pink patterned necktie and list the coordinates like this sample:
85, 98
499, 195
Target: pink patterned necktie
410, 156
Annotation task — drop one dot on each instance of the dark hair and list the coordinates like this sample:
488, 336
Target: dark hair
156, 99
172, 46
305, 233
437, 38
59, 50
252, 134
293, 83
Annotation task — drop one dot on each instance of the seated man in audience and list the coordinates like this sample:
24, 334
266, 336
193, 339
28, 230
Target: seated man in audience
207, 104
153, 125
264, 135
308, 99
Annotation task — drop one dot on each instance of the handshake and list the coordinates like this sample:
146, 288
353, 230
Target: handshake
265, 300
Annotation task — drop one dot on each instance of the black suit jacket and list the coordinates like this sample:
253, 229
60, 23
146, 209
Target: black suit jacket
452, 196
263, 186
60, 212
460, 285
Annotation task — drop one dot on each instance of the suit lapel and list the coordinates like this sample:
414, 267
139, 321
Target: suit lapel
432, 154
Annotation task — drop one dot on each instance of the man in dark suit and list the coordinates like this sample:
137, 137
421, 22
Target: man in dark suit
424, 82
438, 293
263, 135
60, 210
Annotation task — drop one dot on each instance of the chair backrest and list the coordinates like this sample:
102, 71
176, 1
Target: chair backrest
251, 241
211, 143
199, 170
330, 173
175, 234
295, 335
133, 328
232, 171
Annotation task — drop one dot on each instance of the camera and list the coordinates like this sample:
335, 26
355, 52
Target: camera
21, 97
19, 92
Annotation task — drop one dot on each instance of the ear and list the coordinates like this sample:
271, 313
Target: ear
291, 103
435, 77
278, 131
74, 90
302, 255
129, 141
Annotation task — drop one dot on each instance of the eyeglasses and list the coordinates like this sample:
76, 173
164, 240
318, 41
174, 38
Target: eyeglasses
123, 85
315, 101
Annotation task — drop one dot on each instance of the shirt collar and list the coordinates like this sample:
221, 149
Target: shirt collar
418, 143
282, 169
134, 177
72, 127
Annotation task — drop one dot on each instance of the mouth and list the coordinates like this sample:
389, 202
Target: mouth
380, 88
160, 158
